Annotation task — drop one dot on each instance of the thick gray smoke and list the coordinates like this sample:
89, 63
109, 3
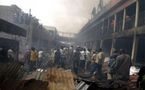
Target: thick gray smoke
65, 15
78, 13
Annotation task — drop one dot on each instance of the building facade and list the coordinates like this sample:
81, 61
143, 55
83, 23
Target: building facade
117, 26
12, 37
44, 38
24, 30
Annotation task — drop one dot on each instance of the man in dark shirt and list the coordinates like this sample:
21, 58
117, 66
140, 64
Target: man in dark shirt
122, 68
141, 81
76, 59
57, 57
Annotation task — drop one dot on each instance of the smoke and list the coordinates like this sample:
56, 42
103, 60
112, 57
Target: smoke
78, 14
65, 15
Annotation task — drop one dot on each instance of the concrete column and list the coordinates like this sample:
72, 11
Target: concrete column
81, 44
135, 38
113, 46
113, 39
114, 28
134, 49
103, 27
29, 34
101, 43
108, 25
137, 13
84, 44
96, 44
124, 16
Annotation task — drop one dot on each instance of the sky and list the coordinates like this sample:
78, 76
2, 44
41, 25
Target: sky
66, 15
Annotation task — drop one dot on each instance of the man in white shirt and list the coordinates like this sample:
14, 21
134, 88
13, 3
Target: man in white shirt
82, 60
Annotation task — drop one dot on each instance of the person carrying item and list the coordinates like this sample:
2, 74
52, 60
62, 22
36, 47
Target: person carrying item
122, 67
76, 59
141, 78
94, 63
100, 57
33, 59
112, 62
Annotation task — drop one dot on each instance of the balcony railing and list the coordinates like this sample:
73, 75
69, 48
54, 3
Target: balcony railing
119, 26
105, 30
129, 22
110, 31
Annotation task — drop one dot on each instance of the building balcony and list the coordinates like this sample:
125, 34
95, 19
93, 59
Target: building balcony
141, 21
129, 22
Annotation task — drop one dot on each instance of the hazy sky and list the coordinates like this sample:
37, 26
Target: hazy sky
65, 15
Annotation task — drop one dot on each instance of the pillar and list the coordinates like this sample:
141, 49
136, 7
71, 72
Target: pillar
135, 38
103, 27
113, 46
113, 39
101, 43
29, 34
134, 49
124, 16
114, 28
108, 27
137, 13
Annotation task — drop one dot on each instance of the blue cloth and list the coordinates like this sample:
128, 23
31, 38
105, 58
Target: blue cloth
100, 73
94, 68
82, 64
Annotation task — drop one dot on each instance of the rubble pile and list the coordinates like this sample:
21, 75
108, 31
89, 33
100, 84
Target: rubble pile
59, 79
24, 85
11, 71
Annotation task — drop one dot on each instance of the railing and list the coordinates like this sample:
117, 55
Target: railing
110, 30
119, 25
105, 30
141, 20
129, 23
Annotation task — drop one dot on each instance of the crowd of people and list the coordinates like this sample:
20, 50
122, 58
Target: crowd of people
77, 59
7, 55
92, 61
81, 60
34, 59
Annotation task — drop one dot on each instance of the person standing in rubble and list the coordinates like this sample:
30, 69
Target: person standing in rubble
82, 60
141, 78
33, 59
71, 50
57, 57
76, 59
122, 67
41, 58
88, 60
61, 56
52, 56
11, 56
100, 57
27, 56
94, 63
112, 62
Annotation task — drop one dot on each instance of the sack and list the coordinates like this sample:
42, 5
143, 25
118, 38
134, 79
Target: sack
34, 56
112, 63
